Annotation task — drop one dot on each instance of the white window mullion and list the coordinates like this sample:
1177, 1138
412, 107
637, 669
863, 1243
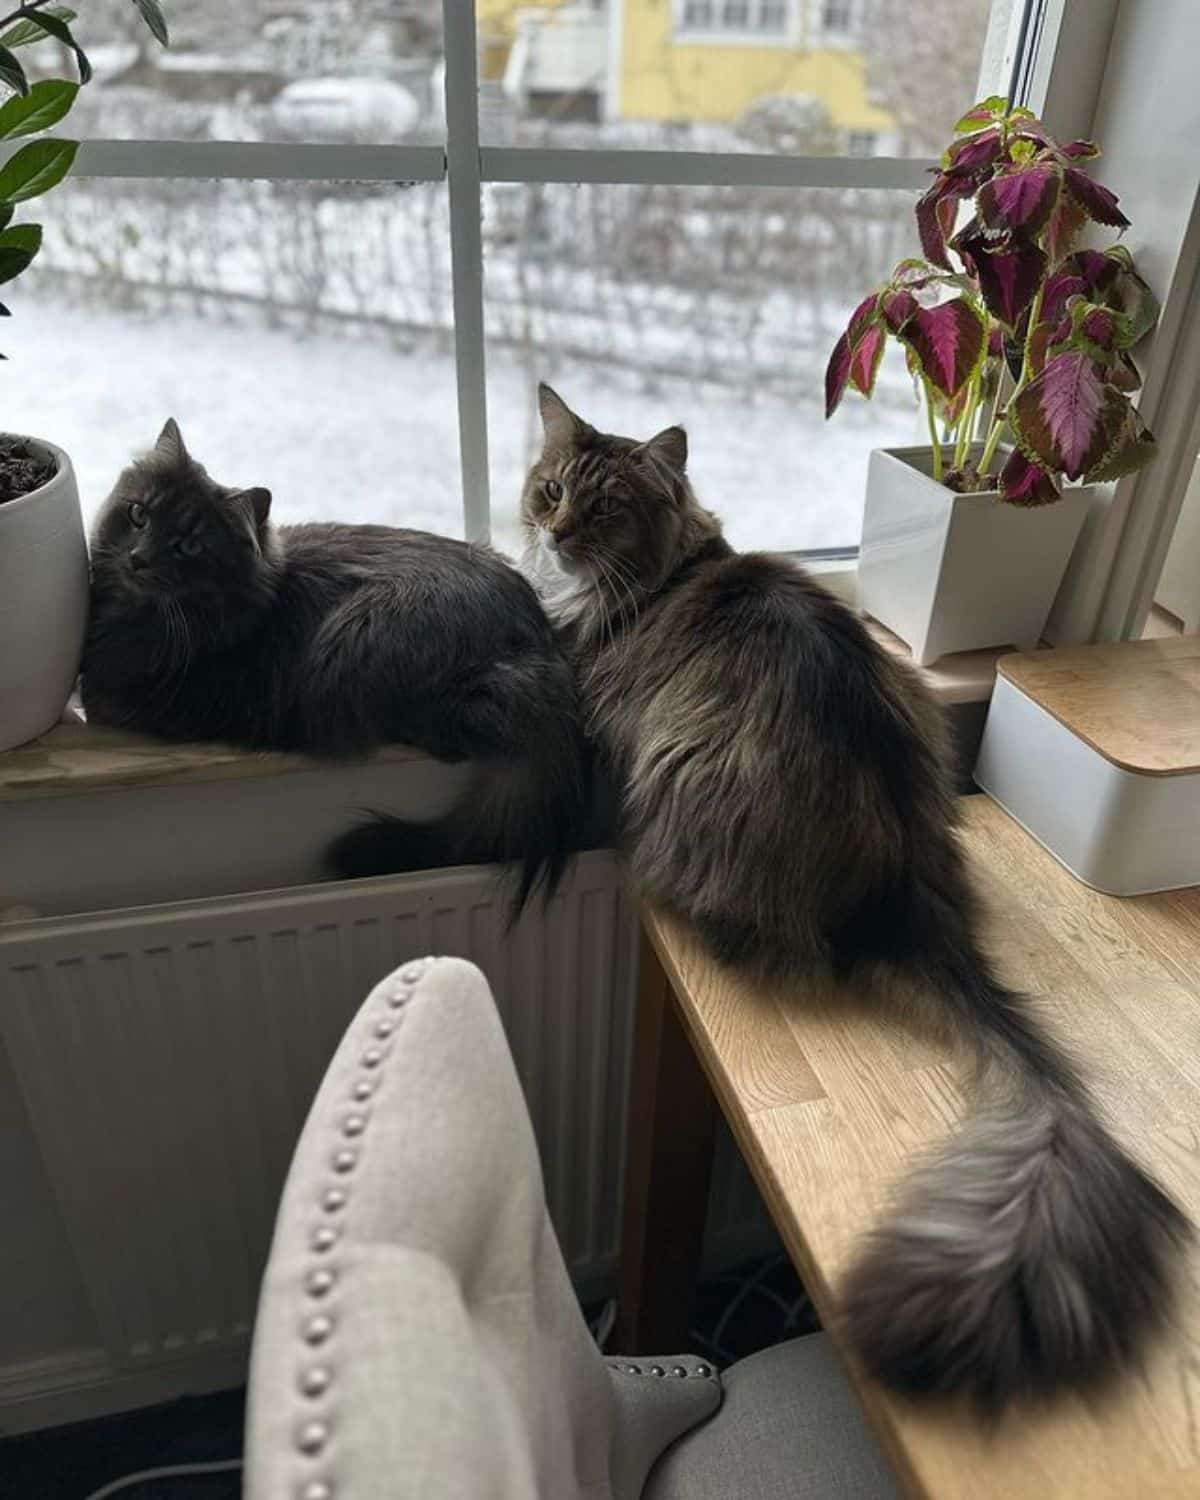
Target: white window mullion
700, 168
281, 162
466, 258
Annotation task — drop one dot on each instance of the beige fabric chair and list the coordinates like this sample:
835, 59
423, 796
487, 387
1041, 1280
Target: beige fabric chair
417, 1336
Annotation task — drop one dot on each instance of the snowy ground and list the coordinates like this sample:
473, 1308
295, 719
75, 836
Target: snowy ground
350, 429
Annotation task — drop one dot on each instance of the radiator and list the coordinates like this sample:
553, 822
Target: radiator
167, 1056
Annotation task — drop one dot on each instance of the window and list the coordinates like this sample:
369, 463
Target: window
350, 298
837, 17
763, 19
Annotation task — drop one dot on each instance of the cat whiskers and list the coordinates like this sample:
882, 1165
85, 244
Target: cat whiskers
603, 598
617, 576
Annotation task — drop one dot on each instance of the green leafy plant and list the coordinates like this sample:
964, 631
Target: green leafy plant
1026, 336
34, 108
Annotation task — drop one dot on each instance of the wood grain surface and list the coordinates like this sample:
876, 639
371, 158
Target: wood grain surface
831, 1093
1136, 702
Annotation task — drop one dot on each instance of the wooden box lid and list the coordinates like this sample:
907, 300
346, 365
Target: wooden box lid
1136, 702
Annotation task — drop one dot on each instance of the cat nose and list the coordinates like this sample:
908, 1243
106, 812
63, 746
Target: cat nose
138, 560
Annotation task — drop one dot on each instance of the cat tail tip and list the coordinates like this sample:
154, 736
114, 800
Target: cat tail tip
1029, 1256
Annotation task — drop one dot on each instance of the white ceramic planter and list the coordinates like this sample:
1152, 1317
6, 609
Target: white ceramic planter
43, 603
949, 572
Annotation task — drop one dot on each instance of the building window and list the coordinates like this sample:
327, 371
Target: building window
837, 17
861, 142
743, 18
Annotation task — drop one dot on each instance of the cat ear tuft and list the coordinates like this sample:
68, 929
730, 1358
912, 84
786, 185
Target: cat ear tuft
170, 443
259, 501
559, 422
670, 447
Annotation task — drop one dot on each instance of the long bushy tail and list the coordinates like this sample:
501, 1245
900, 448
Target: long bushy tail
530, 802
1029, 1254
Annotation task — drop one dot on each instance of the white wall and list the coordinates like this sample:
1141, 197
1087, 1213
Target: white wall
1179, 588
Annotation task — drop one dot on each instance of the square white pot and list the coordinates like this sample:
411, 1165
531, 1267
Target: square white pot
949, 572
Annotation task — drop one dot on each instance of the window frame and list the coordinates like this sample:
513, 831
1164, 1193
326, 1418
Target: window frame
1054, 51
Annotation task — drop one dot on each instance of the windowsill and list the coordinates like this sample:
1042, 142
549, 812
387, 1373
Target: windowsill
76, 758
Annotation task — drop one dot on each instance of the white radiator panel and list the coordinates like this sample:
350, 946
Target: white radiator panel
167, 1057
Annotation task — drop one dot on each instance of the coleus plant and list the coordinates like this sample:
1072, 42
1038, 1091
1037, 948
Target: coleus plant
1026, 335
30, 109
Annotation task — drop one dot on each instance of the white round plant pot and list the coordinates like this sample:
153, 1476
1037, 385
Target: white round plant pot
948, 572
43, 602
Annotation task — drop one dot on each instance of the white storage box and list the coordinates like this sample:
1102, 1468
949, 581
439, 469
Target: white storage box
1095, 750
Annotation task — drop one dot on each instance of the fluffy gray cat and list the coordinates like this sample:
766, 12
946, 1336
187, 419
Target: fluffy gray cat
208, 622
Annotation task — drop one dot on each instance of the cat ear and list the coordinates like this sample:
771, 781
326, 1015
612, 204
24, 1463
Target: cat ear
170, 443
559, 422
259, 501
670, 447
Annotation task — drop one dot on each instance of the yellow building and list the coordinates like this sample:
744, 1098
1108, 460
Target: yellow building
688, 61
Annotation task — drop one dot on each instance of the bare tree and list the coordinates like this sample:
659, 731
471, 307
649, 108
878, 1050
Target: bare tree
194, 23
923, 64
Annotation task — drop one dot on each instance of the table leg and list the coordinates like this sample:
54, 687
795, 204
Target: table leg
668, 1164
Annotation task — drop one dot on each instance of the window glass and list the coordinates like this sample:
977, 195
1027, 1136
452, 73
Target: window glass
262, 70
300, 333
806, 77
715, 308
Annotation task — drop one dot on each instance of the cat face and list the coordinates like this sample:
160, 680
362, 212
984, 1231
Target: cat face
169, 530
603, 507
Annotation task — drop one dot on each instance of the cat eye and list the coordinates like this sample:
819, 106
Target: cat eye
191, 546
137, 513
554, 490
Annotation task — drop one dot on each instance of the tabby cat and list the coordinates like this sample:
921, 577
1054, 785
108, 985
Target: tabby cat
784, 786
207, 622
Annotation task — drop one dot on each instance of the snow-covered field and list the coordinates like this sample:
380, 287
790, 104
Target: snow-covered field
348, 428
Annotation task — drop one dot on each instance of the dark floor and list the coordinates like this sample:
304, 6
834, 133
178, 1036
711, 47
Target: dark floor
755, 1305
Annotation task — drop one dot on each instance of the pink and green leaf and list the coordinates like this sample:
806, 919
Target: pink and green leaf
1133, 297
1067, 417
1098, 331
1095, 199
837, 373
865, 357
862, 317
1124, 374
948, 342
974, 154
1038, 346
980, 115
1132, 447
1079, 150
839, 369
898, 307
1031, 129
1020, 202
936, 211
1098, 269
1009, 274
1026, 483
1065, 223
1058, 291
948, 409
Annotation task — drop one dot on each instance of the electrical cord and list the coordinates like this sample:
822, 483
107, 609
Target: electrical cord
172, 1471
